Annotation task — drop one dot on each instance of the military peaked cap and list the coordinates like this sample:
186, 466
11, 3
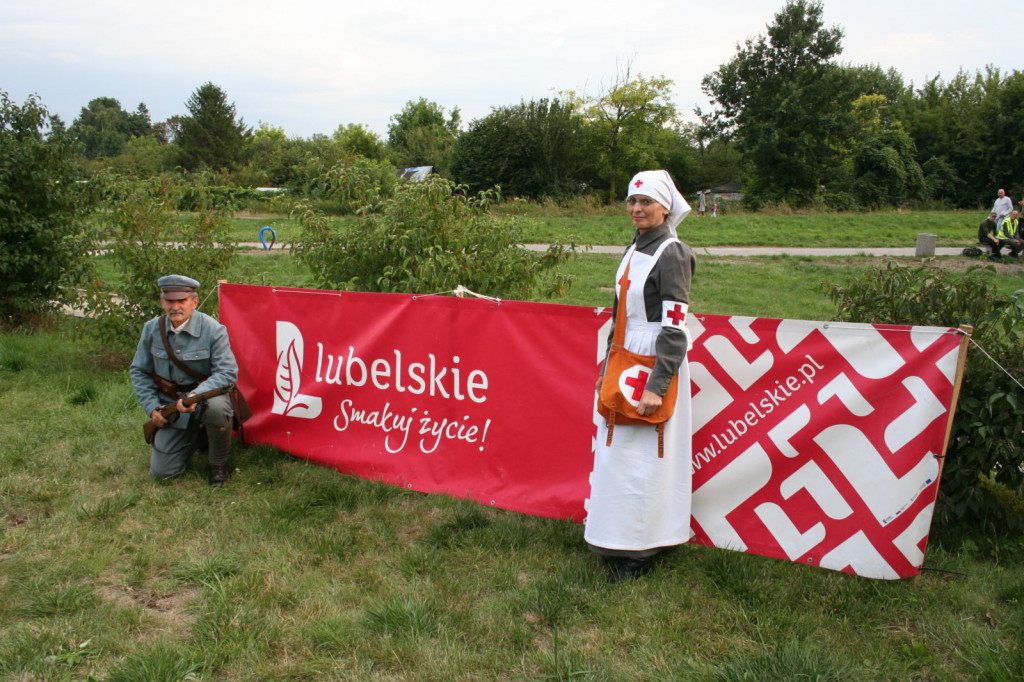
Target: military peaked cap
176, 287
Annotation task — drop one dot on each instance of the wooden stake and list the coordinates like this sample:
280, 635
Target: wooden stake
961, 364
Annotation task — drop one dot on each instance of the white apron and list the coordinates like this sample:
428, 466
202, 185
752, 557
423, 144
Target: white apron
638, 501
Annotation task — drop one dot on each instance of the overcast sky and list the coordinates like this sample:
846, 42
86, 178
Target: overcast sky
309, 67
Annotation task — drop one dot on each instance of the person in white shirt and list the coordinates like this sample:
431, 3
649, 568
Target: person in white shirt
1002, 207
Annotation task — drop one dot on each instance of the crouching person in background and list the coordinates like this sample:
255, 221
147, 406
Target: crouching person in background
1009, 236
987, 234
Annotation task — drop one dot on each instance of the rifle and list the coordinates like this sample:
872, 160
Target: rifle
149, 429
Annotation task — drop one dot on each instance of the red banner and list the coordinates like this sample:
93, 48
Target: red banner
813, 442
469, 397
820, 442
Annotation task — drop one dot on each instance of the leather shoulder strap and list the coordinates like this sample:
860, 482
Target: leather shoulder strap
619, 337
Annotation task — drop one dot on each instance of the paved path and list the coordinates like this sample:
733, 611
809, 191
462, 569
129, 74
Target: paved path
739, 251
785, 250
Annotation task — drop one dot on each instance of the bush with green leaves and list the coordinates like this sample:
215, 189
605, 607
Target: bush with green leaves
146, 238
983, 476
42, 256
354, 185
199, 197
430, 237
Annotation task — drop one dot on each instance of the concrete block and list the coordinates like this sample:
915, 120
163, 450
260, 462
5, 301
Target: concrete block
925, 246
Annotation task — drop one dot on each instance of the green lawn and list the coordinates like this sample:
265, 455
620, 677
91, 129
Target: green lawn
890, 228
297, 572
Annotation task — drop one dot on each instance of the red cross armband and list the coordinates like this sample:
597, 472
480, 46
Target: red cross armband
673, 314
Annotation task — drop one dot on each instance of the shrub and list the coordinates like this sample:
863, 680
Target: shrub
982, 476
353, 186
838, 201
41, 205
147, 238
198, 197
430, 237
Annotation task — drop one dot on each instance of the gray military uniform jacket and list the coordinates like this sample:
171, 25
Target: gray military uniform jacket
202, 344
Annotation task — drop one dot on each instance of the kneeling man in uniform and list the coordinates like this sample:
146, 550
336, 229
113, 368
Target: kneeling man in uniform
181, 353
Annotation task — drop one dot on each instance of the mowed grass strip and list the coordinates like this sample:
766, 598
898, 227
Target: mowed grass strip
610, 226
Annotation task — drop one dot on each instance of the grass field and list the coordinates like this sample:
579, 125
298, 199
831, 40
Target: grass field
952, 228
752, 284
296, 572
722, 285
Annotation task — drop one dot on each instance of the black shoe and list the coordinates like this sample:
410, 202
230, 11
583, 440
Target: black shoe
219, 475
630, 569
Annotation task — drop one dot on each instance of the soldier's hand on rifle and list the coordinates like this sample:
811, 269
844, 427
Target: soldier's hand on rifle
157, 418
188, 409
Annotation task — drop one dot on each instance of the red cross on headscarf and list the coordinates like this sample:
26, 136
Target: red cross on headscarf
638, 183
638, 383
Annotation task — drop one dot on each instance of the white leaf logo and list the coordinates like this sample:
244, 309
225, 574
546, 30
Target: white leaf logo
288, 379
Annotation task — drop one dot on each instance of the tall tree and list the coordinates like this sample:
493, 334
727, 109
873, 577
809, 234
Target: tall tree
421, 135
626, 123
786, 102
356, 138
41, 236
533, 149
676, 151
969, 130
270, 158
210, 136
103, 128
719, 160
884, 167
167, 131
1008, 131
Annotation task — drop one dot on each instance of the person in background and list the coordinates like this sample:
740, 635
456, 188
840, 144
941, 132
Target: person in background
1009, 235
987, 234
185, 351
640, 492
702, 202
1003, 207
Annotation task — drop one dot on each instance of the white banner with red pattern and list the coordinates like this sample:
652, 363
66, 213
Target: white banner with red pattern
815, 442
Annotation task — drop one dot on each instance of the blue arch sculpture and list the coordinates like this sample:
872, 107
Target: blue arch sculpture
263, 238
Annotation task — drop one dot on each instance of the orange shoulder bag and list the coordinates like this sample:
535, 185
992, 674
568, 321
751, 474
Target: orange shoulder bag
627, 372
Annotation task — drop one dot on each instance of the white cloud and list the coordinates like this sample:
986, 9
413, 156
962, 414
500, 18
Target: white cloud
310, 66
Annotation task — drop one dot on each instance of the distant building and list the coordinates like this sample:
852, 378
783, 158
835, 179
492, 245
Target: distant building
730, 191
418, 174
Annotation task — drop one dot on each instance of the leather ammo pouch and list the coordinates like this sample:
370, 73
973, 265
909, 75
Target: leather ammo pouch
627, 372
166, 386
241, 409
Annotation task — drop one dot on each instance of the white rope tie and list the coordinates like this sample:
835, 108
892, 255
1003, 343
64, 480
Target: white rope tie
461, 292
996, 363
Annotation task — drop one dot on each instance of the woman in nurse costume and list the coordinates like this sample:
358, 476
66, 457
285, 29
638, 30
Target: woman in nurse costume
639, 500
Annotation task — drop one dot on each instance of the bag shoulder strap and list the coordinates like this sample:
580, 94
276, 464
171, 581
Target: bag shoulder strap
663, 246
619, 337
162, 323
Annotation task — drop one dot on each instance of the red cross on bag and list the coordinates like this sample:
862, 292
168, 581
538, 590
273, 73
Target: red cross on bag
626, 370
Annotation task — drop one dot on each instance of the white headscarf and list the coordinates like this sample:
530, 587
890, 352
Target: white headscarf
658, 185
